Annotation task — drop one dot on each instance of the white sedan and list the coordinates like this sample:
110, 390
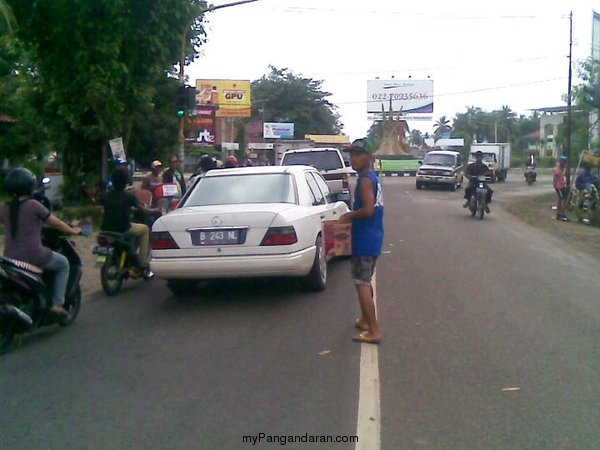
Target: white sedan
247, 222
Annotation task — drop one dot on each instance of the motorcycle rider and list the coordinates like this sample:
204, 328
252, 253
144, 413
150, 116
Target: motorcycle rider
23, 218
477, 169
585, 180
117, 211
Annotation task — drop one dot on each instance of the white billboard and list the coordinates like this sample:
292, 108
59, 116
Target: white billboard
412, 96
272, 130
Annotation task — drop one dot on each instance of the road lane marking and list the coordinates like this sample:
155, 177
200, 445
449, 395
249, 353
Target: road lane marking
368, 425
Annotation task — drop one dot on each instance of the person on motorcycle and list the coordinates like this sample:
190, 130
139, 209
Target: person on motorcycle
477, 169
205, 164
118, 204
585, 180
23, 218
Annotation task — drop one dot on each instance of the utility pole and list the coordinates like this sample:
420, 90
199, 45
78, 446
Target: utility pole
569, 106
181, 152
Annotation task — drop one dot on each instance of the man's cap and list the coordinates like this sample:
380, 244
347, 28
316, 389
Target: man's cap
361, 145
156, 163
479, 152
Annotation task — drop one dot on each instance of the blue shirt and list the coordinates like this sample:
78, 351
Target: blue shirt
367, 234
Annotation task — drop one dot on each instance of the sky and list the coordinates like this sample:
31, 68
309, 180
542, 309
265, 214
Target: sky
478, 53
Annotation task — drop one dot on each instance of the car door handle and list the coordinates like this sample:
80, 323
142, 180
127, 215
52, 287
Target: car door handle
323, 216
334, 213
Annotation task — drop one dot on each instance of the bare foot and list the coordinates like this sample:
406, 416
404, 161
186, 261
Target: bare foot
367, 338
361, 324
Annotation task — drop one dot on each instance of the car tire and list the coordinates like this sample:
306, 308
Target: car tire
317, 278
179, 288
419, 185
454, 185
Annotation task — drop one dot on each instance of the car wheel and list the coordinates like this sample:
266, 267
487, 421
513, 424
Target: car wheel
317, 278
454, 185
419, 185
180, 288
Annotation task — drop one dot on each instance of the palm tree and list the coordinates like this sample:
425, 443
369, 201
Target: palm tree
441, 126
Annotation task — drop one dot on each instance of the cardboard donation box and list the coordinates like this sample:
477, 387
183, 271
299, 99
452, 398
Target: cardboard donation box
338, 238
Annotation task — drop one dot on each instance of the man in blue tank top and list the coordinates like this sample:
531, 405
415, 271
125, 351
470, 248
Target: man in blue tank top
367, 237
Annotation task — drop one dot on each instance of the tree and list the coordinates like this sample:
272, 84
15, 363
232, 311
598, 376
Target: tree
101, 68
587, 97
441, 126
283, 96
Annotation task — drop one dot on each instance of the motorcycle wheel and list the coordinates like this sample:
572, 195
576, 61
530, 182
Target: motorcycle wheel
72, 305
480, 210
7, 334
110, 277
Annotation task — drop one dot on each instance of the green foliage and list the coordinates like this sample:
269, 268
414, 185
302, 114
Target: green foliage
104, 69
282, 96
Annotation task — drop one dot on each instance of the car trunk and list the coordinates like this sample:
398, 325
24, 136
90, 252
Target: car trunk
231, 230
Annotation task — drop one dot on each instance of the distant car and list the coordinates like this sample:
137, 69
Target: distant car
247, 222
329, 162
441, 168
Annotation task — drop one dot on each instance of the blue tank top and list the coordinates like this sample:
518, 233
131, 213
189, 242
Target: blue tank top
367, 234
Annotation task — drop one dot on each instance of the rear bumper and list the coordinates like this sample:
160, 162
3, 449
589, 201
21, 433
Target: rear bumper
285, 265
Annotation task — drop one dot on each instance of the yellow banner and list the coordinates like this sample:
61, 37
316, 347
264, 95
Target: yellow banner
232, 98
592, 158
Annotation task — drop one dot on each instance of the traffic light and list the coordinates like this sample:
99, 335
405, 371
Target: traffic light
180, 101
190, 100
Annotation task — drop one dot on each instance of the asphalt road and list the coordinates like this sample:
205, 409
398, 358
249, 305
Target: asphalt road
469, 309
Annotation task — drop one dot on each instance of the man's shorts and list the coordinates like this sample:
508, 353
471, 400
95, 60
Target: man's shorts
562, 193
363, 268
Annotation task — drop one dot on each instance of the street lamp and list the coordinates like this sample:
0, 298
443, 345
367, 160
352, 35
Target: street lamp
181, 152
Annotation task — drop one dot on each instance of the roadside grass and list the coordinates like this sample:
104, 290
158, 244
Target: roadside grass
537, 211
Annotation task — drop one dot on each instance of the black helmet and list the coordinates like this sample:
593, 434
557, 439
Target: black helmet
20, 181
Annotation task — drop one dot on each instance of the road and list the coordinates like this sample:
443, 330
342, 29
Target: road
491, 342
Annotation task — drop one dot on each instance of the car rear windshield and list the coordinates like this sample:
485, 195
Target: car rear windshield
327, 160
243, 189
439, 160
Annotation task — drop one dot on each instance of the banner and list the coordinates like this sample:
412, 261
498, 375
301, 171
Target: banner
410, 96
204, 125
117, 148
231, 98
272, 130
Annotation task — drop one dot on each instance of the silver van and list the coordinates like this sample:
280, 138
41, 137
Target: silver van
441, 168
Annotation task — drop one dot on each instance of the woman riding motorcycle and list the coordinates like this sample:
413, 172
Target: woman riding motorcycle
23, 218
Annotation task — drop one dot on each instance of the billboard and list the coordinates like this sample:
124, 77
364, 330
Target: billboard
412, 96
204, 124
272, 130
232, 98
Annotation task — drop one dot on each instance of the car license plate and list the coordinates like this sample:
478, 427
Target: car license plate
217, 237
101, 250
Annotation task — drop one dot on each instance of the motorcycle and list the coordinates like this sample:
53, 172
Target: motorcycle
117, 257
26, 290
586, 204
478, 200
530, 175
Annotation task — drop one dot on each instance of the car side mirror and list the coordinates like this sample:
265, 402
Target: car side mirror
347, 164
420, 163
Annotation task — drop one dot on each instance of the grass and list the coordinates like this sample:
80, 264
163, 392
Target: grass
538, 212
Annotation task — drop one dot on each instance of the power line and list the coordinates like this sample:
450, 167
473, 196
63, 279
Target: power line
471, 91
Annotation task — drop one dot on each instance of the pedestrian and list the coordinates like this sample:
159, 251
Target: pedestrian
367, 237
174, 175
559, 181
153, 179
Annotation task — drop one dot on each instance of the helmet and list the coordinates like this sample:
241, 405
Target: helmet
120, 162
207, 162
20, 181
232, 159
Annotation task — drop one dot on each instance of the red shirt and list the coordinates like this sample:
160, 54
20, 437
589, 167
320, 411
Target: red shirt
559, 177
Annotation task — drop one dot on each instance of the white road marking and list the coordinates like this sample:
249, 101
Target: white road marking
368, 426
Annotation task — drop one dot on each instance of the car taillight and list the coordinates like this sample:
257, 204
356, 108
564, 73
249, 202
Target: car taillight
162, 240
280, 236
345, 184
103, 241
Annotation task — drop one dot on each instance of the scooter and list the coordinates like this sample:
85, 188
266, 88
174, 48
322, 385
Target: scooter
478, 200
530, 175
26, 290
